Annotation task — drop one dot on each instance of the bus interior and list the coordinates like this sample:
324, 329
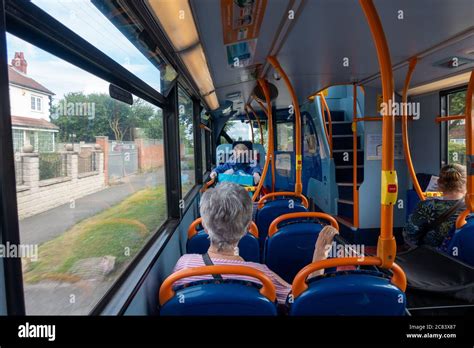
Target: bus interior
114, 114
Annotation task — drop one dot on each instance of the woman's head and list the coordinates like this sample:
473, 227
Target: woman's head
226, 212
452, 178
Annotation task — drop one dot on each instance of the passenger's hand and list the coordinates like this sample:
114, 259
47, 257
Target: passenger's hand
324, 242
229, 171
256, 178
213, 175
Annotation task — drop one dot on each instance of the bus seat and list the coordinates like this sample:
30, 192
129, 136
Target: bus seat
198, 242
269, 210
289, 248
462, 243
226, 297
350, 293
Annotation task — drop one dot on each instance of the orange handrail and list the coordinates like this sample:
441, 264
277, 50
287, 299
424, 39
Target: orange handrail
440, 119
270, 150
328, 128
316, 215
323, 115
258, 121
250, 123
406, 144
368, 118
167, 292
192, 230
298, 154
262, 200
470, 143
263, 107
299, 283
206, 128
207, 185
461, 219
386, 247
355, 191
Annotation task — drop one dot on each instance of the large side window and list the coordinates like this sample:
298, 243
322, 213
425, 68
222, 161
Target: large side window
455, 104
89, 180
186, 138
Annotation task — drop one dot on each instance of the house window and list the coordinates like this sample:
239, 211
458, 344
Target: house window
45, 142
36, 103
18, 140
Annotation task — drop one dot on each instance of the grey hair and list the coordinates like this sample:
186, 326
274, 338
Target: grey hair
226, 212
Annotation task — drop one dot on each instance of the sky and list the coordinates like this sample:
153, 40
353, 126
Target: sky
82, 17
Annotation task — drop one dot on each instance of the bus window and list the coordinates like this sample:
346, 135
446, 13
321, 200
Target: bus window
456, 105
116, 36
285, 136
186, 138
89, 179
238, 130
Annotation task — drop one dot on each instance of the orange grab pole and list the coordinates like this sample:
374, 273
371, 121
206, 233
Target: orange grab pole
316, 215
355, 191
386, 247
298, 157
167, 292
326, 132
270, 153
299, 283
207, 185
329, 130
258, 121
440, 119
250, 123
192, 230
470, 144
264, 108
262, 200
406, 144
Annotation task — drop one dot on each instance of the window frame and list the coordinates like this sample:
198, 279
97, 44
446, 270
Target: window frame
31, 24
443, 110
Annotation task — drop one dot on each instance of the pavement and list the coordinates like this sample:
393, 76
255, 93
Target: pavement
43, 227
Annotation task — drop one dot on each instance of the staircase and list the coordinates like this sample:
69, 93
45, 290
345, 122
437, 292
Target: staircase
343, 154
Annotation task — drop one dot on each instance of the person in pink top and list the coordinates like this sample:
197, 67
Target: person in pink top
226, 212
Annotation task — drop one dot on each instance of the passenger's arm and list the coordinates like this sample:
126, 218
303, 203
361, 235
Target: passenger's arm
323, 247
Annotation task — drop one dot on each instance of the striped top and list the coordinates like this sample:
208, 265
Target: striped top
195, 260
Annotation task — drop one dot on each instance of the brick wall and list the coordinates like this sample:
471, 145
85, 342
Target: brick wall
35, 196
150, 154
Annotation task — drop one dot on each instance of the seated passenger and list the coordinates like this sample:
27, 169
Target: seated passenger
433, 219
226, 212
240, 162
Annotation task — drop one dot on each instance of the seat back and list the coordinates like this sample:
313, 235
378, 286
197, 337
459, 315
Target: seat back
290, 247
223, 152
350, 293
269, 210
462, 243
198, 242
218, 297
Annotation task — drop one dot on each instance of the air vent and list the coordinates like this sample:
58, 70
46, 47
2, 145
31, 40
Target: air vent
453, 62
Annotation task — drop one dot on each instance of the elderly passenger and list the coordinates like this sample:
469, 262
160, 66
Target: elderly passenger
226, 212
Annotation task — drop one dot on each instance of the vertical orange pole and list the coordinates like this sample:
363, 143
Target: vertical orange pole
258, 121
324, 118
250, 123
406, 144
386, 247
329, 130
470, 144
355, 191
270, 150
298, 156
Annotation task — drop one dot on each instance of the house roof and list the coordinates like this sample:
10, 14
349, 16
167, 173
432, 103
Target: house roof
20, 79
29, 122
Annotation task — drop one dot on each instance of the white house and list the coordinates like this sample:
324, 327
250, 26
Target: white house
30, 104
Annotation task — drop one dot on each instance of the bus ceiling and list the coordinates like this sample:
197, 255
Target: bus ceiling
319, 45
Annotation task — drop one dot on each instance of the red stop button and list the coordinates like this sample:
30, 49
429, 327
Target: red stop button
392, 188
